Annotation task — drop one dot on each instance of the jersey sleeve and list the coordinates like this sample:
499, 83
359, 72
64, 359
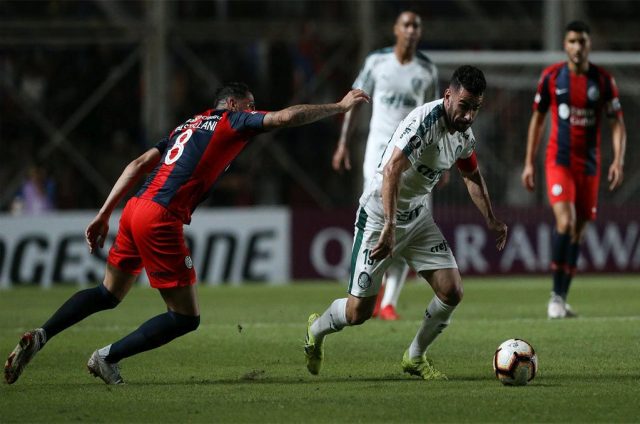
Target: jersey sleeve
611, 97
365, 80
542, 99
247, 121
410, 137
469, 146
162, 144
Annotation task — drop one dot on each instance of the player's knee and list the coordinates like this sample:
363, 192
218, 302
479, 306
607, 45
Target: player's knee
107, 299
186, 323
565, 225
453, 294
358, 316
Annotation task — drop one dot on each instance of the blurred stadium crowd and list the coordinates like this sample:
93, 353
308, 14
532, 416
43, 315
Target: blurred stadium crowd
79, 98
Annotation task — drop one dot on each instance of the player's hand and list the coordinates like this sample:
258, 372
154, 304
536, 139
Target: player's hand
341, 158
96, 233
385, 244
444, 179
500, 229
616, 176
353, 98
528, 177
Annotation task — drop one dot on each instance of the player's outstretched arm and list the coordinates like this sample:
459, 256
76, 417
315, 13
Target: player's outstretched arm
480, 196
619, 140
295, 116
97, 230
533, 140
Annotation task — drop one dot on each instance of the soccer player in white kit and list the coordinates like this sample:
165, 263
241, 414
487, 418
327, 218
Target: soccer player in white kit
394, 220
398, 78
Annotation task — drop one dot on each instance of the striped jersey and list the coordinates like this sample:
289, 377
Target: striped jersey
396, 89
576, 102
424, 138
194, 155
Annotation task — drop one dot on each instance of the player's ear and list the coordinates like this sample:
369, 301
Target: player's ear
232, 104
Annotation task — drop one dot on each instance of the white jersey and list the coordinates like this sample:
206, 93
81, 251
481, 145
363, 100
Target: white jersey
396, 89
424, 138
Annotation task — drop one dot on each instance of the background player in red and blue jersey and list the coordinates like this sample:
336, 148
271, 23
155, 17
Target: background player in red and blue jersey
577, 92
183, 167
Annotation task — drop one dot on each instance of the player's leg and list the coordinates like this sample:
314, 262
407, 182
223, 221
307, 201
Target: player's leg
116, 284
79, 306
565, 217
167, 261
182, 317
364, 283
395, 278
447, 285
561, 191
429, 254
586, 205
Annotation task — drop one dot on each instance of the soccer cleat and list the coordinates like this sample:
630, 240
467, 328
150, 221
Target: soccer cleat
109, 373
313, 349
388, 313
556, 307
421, 367
30, 343
570, 313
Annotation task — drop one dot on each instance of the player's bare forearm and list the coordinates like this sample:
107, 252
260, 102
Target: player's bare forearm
294, 116
348, 126
129, 177
390, 186
480, 196
619, 140
533, 140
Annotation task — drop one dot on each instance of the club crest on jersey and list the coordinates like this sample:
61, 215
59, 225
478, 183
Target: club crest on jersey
188, 262
593, 93
364, 280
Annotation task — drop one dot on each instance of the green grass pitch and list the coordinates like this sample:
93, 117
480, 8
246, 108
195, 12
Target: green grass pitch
245, 362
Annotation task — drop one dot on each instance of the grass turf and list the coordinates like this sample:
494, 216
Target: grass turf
245, 362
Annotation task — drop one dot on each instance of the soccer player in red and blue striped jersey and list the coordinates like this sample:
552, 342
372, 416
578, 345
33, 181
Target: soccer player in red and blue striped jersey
577, 93
184, 166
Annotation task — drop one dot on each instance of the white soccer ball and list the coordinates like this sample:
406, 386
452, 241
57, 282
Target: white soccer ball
515, 362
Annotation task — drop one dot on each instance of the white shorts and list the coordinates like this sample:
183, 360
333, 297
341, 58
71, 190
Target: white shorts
419, 242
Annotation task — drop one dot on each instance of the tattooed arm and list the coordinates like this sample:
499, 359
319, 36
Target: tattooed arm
304, 114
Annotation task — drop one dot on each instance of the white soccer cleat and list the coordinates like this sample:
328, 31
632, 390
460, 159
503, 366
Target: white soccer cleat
570, 312
556, 308
30, 343
109, 373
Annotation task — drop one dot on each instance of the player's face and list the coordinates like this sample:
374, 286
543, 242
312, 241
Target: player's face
408, 29
577, 45
461, 108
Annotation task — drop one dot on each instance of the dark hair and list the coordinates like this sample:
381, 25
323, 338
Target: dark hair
470, 78
231, 89
577, 26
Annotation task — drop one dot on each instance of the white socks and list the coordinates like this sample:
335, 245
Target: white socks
436, 319
395, 277
332, 320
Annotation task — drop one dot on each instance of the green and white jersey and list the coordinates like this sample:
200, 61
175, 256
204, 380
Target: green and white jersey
424, 138
396, 89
